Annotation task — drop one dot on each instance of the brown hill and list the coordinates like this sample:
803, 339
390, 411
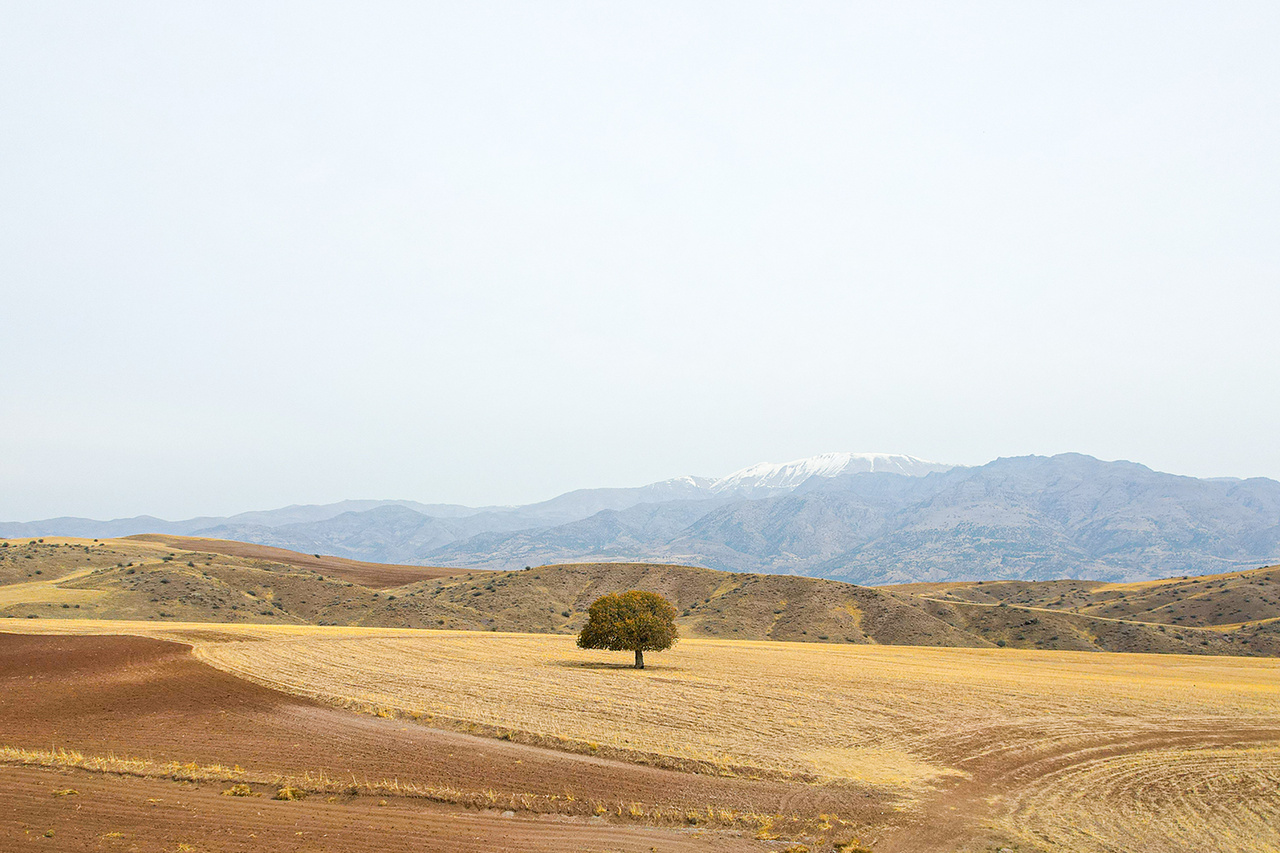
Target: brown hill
172, 578
1225, 600
372, 575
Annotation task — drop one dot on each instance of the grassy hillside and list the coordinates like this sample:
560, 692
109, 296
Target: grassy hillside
149, 577
1230, 599
174, 579
371, 575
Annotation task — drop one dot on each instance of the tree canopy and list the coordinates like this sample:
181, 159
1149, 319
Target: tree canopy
633, 621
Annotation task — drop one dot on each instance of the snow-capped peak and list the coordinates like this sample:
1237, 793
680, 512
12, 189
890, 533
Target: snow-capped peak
789, 475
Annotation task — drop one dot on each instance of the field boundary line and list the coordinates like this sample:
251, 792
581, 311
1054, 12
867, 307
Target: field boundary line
773, 826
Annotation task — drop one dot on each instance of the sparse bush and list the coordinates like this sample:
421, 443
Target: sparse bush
290, 793
850, 847
238, 790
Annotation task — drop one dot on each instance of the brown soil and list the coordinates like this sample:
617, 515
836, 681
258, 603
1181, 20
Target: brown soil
114, 813
138, 697
372, 575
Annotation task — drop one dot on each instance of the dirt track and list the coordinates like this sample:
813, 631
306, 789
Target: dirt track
149, 698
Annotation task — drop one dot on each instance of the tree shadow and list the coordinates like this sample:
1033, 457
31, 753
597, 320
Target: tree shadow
607, 665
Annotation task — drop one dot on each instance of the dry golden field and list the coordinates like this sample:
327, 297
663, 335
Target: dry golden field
1045, 750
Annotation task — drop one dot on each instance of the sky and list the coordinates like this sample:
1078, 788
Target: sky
257, 254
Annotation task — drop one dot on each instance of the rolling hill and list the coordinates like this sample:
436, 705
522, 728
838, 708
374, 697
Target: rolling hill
192, 580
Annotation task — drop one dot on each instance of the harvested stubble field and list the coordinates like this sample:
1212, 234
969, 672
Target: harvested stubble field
967, 748
131, 744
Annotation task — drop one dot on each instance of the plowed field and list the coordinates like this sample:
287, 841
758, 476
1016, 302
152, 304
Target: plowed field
910, 749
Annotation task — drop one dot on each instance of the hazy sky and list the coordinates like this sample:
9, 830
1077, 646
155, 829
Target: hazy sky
254, 254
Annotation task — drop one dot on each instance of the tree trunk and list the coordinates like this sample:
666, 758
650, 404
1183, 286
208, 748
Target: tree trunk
639, 659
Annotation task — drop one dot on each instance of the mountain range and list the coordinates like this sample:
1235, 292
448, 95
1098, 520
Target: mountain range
862, 518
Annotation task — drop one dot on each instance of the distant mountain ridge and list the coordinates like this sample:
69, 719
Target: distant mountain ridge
754, 480
858, 517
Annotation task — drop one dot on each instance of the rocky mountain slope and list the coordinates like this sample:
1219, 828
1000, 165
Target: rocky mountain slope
1033, 518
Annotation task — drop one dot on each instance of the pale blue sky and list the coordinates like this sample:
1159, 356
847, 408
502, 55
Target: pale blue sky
256, 254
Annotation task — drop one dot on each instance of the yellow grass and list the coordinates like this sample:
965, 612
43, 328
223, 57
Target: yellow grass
49, 591
1056, 750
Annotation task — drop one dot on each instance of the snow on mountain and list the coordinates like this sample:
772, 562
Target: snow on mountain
770, 476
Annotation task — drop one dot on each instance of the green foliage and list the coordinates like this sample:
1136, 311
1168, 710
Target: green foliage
633, 621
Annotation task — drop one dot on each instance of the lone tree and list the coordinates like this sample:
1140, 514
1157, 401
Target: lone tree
631, 621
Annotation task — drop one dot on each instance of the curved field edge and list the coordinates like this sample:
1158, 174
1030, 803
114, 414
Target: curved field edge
123, 705
249, 782
1023, 734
